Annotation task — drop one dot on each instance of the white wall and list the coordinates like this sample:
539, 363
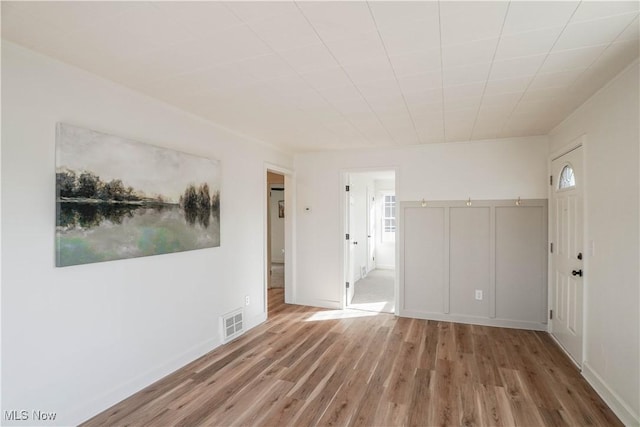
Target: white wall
495, 169
610, 121
277, 225
77, 339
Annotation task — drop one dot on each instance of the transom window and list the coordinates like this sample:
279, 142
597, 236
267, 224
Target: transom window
567, 178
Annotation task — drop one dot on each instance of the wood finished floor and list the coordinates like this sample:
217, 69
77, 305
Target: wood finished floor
376, 370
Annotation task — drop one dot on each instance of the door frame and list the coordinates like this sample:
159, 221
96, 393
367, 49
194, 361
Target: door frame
344, 178
576, 143
289, 233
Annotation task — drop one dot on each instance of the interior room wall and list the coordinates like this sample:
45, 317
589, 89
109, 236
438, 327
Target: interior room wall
77, 339
609, 123
492, 169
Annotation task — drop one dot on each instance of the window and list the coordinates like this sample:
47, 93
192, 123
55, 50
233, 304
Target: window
389, 213
567, 178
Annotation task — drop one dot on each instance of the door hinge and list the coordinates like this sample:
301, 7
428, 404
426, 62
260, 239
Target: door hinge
550, 314
347, 283
346, 236
551, 247
346, 188
550, 179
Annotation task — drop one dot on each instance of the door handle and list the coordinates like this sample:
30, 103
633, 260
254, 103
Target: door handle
355, 243
577, 273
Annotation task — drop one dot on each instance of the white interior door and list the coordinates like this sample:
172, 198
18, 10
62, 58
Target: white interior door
349, 247
568, 252
371, 231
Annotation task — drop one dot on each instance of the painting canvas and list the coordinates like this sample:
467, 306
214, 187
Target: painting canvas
117, 198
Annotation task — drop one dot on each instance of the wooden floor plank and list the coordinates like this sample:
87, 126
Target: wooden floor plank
372, 370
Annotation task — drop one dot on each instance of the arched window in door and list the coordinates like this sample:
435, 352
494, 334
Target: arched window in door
567, 178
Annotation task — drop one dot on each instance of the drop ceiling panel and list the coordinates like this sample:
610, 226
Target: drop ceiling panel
330, 75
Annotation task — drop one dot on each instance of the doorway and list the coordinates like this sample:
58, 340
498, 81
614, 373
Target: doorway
370, 244
567, 252
275, 238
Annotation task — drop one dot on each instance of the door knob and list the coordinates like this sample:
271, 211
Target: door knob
355, 243
577, 273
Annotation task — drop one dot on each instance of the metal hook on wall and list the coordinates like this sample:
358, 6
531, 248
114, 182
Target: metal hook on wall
469, 201
518, 202
423, 203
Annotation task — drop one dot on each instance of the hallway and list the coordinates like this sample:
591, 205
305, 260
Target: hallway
375, 292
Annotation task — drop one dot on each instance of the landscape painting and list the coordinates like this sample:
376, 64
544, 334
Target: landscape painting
117, 198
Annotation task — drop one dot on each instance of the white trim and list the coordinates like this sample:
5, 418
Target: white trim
290, 233
344, 173
473, 320
619, 407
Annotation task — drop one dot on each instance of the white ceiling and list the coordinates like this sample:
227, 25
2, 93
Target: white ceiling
308, 76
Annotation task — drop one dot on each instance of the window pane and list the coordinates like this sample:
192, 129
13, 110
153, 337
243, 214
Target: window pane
567, 178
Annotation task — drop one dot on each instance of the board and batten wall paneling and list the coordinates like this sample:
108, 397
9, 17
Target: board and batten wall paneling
469, 260
424, 249
521, 263
450, 250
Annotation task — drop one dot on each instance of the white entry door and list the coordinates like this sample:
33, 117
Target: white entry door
568, 252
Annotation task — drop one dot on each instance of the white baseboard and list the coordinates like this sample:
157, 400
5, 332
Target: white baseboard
470, 320
121, 392
610, 397
321, 303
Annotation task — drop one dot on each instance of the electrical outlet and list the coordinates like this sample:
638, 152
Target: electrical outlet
479, 294
246, 300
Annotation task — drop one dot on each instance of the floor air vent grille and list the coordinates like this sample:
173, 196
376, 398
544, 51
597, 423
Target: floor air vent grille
232, 325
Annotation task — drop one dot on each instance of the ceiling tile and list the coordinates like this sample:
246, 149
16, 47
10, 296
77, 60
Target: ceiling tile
201, 19
357, 49
370, 71
388, 87
309, 58
467, 21
327, 78
400, 42
338, 20
416, 63
405, 15
475, 52
524, 16
589, 10
286, 31
420, 82
518, 84
252, 11
557, 79
516, 67
575, 58
464, 75
591, 33
452, 93
525, 44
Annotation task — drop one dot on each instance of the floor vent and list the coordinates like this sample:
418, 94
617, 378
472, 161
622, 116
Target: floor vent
232, 325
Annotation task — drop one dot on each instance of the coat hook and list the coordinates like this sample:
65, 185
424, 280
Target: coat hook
469, 201
518, 202
423, 203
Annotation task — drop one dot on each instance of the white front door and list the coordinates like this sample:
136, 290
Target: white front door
568, 253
